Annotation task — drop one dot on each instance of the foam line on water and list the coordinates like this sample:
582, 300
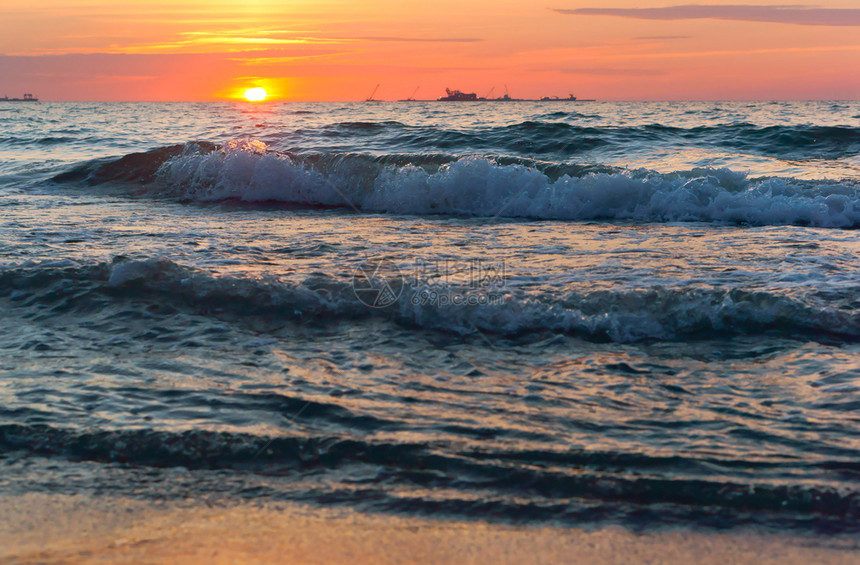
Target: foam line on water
622, 315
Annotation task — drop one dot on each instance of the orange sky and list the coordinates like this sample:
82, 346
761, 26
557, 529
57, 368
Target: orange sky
338, 50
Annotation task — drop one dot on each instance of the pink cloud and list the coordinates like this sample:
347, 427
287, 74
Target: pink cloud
789, 14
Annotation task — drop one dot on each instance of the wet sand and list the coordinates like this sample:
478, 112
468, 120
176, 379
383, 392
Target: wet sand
39, 528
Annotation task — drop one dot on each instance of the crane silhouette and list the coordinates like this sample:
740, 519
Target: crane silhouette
370, 98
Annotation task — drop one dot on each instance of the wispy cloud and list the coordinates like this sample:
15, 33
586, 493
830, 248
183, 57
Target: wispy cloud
422, 39
238, 41
81, 77
788, 14
277, 57
607, 72
660, 37
731, 52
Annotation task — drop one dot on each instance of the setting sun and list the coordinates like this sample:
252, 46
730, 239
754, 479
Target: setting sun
255, 94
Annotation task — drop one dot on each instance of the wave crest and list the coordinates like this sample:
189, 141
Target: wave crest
623, 315
480, 186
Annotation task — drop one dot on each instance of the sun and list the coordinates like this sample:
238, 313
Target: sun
257, 94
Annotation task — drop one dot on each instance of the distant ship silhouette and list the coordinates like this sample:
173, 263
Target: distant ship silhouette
459, 96
27, 98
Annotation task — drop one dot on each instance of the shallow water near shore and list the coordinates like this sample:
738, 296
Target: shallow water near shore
42, 528
590, 313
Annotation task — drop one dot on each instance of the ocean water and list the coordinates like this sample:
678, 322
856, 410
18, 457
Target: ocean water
569, 313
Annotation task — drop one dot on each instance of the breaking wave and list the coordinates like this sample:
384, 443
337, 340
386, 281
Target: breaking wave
622, 315
247, 170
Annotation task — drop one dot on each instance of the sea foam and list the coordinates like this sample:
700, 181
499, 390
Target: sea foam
480, 186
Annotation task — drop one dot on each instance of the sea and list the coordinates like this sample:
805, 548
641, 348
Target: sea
643, 314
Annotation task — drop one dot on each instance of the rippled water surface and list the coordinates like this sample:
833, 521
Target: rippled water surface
576, 312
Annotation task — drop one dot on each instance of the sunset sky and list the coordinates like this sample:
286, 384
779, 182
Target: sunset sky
339, 50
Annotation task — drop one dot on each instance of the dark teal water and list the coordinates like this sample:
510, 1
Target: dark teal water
641, 313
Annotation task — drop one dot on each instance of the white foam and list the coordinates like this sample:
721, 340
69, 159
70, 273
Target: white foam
478, 186
630, 316
128, 271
